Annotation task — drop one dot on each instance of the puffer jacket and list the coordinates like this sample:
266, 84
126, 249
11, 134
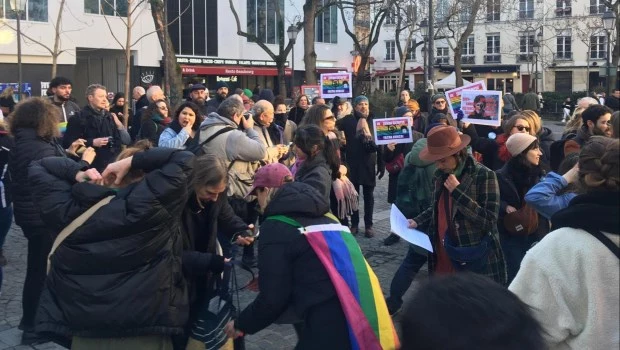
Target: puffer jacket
233, 145
119, 274
28, 147
292, 276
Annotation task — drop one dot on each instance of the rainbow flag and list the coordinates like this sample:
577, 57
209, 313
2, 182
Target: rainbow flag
357, 286
62, 127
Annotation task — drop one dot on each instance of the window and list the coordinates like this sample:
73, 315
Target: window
326, 26
493, 10
443, 8
564, 81
563, 8
526, 46
468, 53
390, 17
442, 56
411, 50
493, 49
390, 50
464, 14
195, 34
597, 7
106, 7
598, 47
36, 10
265, 20
388, 83
563, 47
526, 8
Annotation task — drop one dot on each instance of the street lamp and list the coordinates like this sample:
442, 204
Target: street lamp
536, 50
18, 7
609, 21
424, 31
292, 32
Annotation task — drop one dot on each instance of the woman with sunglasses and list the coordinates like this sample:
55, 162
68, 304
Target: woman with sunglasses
440, 106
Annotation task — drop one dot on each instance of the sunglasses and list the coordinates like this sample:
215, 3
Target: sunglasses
440, 102
521, 128
481, 105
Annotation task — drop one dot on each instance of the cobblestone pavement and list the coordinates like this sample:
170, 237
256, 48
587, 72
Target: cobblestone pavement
384, 260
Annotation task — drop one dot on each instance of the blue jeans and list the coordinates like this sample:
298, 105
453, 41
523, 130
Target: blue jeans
6, 218
514, 248
404, 277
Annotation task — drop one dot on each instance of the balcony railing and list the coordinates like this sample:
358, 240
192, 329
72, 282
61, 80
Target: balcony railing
442, 60
468, 59
493, 58
525, 57
563, 56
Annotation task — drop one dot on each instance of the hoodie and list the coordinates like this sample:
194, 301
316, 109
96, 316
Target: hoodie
234, 145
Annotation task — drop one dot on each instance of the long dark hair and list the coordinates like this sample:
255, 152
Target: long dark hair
526, 174
310, 135
194, 108
314, 115
152, 109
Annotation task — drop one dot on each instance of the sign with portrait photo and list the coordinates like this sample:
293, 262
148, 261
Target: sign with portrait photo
336, 84
481, 107
454, 96
392, 130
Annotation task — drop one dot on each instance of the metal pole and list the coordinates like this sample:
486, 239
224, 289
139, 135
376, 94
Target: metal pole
293, 70
19, 55
425, 55
431, 35
164, 32
608, 32
536, 74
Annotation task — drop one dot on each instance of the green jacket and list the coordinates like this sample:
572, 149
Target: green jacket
414, 189
474, 213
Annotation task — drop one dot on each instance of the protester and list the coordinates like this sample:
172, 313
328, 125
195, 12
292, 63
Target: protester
100, 129
61, 88
318, 100
595, 122
181, 133
363, 159
613, 101
7, 102
440, 106
463, 221
154, 120
118, 107
586, 102
139, 96
295, 276
199, 95
34, 126
404, 98
571, 279
467, 311
6, 205
131, 247
519, 225
281, 119
296, 114
615, 125
263, 115
221, 93
154, 93
419, 122
544, 134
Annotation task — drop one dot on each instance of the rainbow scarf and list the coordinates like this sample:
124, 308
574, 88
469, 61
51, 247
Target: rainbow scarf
357, 286
62, 127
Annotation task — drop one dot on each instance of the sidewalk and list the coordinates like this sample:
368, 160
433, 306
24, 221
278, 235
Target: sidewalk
384, 261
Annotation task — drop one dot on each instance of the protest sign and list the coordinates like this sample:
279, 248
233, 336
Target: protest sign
454, 96
336, 84
481, 107
392, 130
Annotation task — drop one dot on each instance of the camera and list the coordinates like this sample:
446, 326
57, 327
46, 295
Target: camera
247, 115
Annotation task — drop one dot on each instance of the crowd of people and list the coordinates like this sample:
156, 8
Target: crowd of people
133, 221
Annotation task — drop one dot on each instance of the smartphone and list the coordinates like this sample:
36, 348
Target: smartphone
80, 150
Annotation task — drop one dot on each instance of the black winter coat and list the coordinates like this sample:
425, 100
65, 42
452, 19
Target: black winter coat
29, 147
6, 144
119, 274
316, 173
292, 276
363, 165
545, 138
90, 125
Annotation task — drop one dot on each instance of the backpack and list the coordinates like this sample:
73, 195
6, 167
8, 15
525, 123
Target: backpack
197, 148
406, 193
556, 151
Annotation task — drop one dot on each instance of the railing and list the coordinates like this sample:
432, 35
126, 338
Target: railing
468, 59
525, 57
493, 58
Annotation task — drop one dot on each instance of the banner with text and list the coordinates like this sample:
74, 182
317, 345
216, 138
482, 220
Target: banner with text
336, 84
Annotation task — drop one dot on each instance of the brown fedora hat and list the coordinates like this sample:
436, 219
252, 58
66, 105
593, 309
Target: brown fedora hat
443, 141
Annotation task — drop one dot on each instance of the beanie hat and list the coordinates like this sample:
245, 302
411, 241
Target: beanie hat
437, 117
437, 97
400, 111
359, 99
248, 93
221, 84
430, 127
266, 94
517, 143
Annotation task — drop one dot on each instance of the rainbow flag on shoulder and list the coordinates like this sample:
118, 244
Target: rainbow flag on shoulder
357, 286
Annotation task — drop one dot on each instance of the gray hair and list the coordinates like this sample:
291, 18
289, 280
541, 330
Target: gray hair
209, 170
151, 91
139, 89
589, 100
261, 107
230, 107
90, 90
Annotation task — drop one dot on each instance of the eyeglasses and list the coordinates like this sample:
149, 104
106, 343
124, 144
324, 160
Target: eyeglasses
481, 105
521, 128
440, 102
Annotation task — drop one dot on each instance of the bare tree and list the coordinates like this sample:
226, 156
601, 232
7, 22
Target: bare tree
368, 17
312, 9
55, 50
405, 15
283, 50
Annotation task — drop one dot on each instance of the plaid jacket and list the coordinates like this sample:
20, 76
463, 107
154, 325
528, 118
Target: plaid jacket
474, 213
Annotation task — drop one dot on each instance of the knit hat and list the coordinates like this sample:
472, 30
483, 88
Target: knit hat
221, 84
430, 127
359, 99
272, 175
400, 111
437, 117
248, 93
267, 95
437, 97
517, 143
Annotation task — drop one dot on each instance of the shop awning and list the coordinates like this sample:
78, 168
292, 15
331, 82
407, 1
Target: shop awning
231, 70
324, 70
380, 73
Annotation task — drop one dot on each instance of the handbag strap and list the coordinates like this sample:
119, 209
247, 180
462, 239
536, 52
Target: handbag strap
606, 241
79, 221
446, 205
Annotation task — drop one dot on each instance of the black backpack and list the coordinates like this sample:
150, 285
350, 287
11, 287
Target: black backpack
557, 151
197, 148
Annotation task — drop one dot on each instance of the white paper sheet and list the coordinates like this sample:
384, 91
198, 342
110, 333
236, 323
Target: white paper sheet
398, 225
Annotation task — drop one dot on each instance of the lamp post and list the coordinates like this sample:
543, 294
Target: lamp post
424, 31
536, 50
18, 7
292, 32
609, 21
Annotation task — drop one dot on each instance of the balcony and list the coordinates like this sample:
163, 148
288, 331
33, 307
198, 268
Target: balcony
442, 60
525, 57
497, 58
563, 56
468, 59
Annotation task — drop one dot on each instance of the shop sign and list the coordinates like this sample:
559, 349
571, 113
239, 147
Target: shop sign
226, 61
231, 79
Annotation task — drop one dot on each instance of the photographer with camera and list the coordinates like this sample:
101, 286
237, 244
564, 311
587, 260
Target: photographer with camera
101, 129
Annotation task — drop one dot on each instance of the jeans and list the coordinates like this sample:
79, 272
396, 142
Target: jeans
404, 277
514, 248
6, 218
39, 246
369, 204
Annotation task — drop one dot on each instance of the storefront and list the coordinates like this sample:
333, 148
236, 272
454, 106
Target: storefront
387, 80
497, 77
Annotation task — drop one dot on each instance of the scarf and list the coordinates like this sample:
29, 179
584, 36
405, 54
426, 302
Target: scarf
597, 210
363, 129
176, 127
345, 193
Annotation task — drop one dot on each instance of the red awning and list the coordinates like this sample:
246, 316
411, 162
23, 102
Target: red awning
231, 70
380, 73
324, 70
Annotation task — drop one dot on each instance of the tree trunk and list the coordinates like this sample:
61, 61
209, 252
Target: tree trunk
457, 65
171, 68
360, 81
281, 76
57, 39
310, 8
128, 60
